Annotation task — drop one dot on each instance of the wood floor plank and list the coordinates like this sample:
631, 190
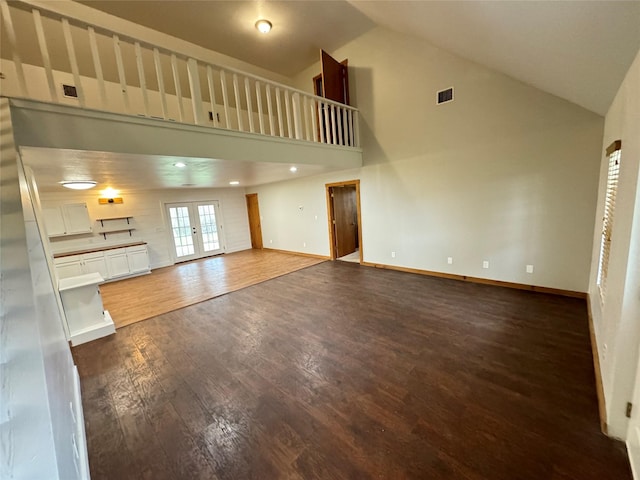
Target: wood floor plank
170, 288
344, 371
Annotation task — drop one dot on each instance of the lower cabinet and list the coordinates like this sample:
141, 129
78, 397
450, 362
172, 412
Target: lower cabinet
110, 264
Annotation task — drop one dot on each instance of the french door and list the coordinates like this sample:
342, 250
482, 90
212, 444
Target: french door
195, 229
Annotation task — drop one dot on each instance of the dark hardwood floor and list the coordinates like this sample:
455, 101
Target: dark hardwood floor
340, 371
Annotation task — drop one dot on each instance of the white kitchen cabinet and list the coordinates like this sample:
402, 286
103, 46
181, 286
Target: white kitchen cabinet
70, 266
138, 259
117, 262
95, 263
85, 315
68, 219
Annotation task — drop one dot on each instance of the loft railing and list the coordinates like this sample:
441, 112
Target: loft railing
123, 74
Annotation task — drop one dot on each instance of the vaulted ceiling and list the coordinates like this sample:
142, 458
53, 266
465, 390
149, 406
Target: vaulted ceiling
577, 50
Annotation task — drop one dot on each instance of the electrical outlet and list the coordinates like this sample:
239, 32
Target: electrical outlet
529, 268
450, 260
270, 241
304, 244
393, 254
485, 264
316, 217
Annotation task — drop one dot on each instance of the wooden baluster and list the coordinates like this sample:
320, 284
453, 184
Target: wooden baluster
345, 126
279, 108
247, 92
333, 124
212, 96
339, 123
259, 102
287, 111
123, 81
351, 139
141, 77
44, 51
66, 30
176, 82
225, 98
97, 65
356, 128
307, 123
196, 91
11, 36
297, 117
323, 114
159, 75
236, 94
313, 111
270, 111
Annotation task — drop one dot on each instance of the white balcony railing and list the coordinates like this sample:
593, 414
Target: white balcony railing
118, 73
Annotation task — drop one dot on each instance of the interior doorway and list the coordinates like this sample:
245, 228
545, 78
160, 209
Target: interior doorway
345, 222
255, 228
195, 229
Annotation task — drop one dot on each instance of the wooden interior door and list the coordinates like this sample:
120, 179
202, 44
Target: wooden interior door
335, 78
345, 215
253, 210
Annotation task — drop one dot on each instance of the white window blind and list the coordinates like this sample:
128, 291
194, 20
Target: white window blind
613, 174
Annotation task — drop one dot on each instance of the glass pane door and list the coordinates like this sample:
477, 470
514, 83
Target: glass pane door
208, 227
182, 231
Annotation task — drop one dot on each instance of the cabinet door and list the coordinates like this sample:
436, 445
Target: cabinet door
76, 217
117, 263
68, 266
53, 221
95, 263
138, 259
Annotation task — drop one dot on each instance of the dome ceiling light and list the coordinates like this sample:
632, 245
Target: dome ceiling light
79, 184
264, 26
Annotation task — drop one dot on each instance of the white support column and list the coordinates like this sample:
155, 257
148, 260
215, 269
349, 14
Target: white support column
212, 96
279, 108
247, 92
259, 102
307, 121
66, 30
121, 76
11, 36
142, 79
356, 128
46, 62
196, 92
323, 121
236, 95
176, 82
163, 95
327, 123
297, 117
313, 111
270, 112
339, 123
225, 98
287, 111
334, 140
97, 66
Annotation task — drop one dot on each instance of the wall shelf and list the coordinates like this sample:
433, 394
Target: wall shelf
120, 228
104, 233
102, 220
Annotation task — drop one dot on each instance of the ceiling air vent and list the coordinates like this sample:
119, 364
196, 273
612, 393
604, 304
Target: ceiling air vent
445, 96
69, 91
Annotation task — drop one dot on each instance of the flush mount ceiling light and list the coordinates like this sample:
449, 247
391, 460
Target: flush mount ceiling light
180, 165
79, 184
234, 182
293, 169
264, 26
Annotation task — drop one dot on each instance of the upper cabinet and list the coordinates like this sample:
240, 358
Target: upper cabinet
68, 219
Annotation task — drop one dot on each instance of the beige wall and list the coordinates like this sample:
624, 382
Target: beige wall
616, 320
505, 173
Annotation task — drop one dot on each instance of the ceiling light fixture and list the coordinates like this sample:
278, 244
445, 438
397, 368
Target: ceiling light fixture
79, 184
180, 165
293, 169
234, 182
264, 26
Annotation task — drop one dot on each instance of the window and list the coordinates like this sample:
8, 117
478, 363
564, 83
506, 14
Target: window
613, 152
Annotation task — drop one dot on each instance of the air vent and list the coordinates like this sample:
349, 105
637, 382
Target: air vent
445, 96
69, 91
211, 116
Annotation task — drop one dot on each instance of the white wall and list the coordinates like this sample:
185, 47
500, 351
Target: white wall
505, 173
147, 208
616, 321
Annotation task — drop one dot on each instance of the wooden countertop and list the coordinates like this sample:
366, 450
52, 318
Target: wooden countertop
97, 249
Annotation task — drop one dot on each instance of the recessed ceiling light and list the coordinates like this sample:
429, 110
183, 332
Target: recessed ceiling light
79, 184
293, 169
234, 182
180, 165
264, 26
